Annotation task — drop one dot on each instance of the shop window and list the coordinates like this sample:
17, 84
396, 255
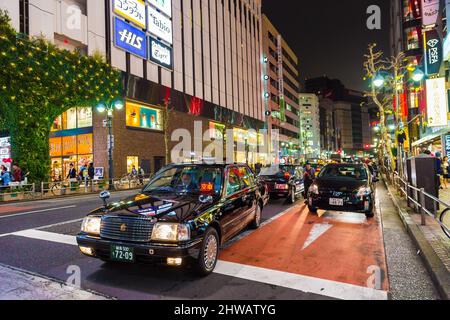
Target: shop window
73, 118
84, 117
139, 116
412, 36
132, 161
64, 151
216, 131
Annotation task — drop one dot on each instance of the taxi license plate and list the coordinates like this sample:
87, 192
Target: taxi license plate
336, 202
122, 254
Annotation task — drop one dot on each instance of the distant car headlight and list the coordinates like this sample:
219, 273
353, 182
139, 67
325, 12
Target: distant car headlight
314, 189
363, 192
171, 232
91, 225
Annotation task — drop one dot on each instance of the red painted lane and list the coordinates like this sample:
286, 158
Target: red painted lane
343, 252
14, 208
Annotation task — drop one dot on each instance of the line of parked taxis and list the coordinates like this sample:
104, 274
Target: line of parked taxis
188, 211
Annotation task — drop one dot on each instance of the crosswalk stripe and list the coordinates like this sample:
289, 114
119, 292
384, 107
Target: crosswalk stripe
298, 282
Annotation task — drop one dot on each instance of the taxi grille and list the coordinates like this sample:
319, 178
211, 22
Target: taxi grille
134, 229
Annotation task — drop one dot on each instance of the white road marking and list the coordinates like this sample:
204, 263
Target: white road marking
302, 283
36, 211
47, 236
43, 227
316, 232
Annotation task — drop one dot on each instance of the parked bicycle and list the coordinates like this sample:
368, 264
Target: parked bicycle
445, 221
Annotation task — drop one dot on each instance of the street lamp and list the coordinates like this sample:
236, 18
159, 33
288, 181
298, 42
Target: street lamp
396, 80
103, 107
378, 81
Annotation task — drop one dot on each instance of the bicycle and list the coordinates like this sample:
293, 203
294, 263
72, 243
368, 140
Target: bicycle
445, 221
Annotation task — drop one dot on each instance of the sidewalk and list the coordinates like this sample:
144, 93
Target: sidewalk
19, 285
432, 243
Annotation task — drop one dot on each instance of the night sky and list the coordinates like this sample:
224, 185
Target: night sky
330, 37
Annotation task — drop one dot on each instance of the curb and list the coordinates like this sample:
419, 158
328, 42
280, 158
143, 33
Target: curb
435, 267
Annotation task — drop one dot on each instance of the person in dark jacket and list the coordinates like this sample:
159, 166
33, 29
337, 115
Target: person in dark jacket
72, 172
308, 178
91, 171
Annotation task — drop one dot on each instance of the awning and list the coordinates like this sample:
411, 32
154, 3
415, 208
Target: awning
431, 137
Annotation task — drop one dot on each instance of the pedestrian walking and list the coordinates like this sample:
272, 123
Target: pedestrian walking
91, 171
445, 172
134, 172
439, 169
17, 174
5, 178
308, 178
72, 172
141, 175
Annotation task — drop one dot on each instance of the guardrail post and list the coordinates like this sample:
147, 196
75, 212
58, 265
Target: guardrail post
422, 207
42, 189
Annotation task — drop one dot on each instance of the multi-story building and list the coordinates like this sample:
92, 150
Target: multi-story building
201, 57
310, 125
348, 115
420, 31
281, 88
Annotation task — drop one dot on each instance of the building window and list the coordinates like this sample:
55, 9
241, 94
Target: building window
412, 36
132, 161
139, 116
73, 118
64, 151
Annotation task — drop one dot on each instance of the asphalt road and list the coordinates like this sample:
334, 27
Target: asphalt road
294, 255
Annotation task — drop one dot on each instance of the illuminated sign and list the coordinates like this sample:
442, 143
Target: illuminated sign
159, 25
133, 10
433, 52
436, 102
130, 38
165, 6
160, 53
430, 12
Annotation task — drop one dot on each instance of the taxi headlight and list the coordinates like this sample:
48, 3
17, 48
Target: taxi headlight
91, 225
363, 191
314, 189
171, 232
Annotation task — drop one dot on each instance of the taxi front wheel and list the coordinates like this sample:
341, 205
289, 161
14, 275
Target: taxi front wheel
209, 253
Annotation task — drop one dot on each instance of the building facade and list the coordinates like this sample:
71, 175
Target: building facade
200, 58
346, 123
310, 125
281, 89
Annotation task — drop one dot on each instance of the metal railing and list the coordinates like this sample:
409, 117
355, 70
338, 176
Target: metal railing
417, 200
17, 191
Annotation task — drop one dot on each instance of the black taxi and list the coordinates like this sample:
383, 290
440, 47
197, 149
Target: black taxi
182, 216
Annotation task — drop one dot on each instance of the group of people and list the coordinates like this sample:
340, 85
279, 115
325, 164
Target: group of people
443, 169
87, 172
15, 175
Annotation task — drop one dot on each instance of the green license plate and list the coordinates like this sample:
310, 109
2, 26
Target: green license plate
121, 253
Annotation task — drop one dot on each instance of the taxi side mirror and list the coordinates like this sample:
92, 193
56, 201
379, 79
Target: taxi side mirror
105, 195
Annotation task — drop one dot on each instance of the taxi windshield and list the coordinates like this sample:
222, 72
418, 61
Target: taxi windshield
277, 170
344, 172
189, 179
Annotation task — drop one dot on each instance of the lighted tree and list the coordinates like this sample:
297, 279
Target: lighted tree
376, 65
38, 82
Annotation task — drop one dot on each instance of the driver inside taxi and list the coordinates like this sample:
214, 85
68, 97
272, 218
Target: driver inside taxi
187, 182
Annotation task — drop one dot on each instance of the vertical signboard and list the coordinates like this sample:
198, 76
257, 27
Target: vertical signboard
160, 53
159, 25
281, 77
132, 10
130, 39
165, 6
433, 52
430, 12
436, 102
